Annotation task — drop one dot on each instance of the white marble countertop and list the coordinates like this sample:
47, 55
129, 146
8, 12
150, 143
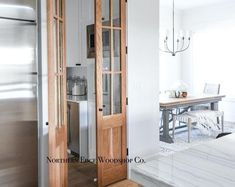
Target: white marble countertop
76, 99
210, 164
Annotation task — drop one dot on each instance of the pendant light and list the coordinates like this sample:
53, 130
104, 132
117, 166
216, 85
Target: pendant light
180, 45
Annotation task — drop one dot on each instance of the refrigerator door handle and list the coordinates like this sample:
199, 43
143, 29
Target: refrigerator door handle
33, 22
34, 73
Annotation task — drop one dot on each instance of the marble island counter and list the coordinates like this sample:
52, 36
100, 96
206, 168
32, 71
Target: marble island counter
211, 164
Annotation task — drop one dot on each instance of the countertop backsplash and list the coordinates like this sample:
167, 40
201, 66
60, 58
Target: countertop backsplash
80, 71
77, 81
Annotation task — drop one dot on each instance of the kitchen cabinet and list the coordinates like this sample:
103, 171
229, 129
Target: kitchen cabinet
78, 128
105, 10
79, 14
72, 32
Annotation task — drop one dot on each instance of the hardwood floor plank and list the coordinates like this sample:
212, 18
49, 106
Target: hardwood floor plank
125, 183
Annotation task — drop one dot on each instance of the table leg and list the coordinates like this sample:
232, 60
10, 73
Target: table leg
215, 106
166, 137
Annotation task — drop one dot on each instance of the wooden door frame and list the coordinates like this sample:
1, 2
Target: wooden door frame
99, 70
58, 172
53, 169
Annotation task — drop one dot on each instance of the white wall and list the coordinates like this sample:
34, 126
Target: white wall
170, 67
142, 77
199, 20
79, 14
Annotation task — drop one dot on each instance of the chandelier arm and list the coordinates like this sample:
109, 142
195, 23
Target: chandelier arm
164, 51
183, 49
177, 44
182, 46
165, 45
167, 48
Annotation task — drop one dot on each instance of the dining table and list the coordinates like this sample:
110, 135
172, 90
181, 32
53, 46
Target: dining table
167, 105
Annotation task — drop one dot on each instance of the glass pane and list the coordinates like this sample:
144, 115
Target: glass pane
116, 13
58, 101
106, 12
59, 93
55, 52
106, 49
60, 46
117, 50
61, 100
106, 94
117, 104
60, 8
55, 6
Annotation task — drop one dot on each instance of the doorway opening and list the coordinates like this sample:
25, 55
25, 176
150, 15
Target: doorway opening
87, 124
81, 97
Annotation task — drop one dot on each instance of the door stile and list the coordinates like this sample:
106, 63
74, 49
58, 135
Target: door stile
57, 101
111, 121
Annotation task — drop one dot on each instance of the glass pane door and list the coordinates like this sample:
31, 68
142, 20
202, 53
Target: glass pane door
59, 69
111, 91
57, 92
112, 71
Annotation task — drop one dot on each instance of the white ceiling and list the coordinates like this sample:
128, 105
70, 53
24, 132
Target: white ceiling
188, 4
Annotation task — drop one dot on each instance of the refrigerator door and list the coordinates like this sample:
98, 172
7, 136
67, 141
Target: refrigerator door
18, 9
18, 101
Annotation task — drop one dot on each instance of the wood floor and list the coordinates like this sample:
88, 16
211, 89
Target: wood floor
82, 175
125, 183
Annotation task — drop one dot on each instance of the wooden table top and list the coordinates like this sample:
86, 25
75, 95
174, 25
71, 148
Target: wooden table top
166, 102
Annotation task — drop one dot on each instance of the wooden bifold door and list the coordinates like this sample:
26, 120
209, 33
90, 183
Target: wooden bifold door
110, 46
58, 174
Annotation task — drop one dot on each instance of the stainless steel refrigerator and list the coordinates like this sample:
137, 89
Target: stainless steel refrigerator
18, 94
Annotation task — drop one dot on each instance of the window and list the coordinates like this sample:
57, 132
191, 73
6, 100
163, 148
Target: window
214, 59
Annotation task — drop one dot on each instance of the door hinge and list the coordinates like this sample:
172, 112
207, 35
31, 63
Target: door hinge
126, 1
127, 151
47, 123
126, 50
127, 101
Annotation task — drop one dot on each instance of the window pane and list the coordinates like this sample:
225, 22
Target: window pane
106, 94
55, 6
117, 104
106, 12
58, 100
55, 52
61, 47
116, 13
61, 100
60, 8
117, 50
106, 50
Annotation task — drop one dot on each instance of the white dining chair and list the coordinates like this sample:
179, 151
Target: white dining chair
209, 89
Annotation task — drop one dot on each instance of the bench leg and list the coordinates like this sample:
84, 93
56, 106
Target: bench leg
189, 129
222, 123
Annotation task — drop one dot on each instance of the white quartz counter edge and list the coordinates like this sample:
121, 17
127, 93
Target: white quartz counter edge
75, 101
